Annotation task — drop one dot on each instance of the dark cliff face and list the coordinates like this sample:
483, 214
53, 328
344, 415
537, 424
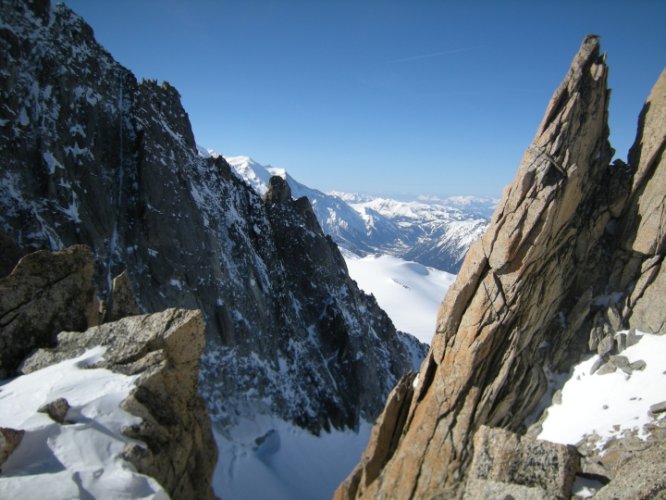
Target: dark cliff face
92, 156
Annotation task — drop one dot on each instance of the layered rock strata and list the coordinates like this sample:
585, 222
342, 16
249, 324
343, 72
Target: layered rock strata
555, 274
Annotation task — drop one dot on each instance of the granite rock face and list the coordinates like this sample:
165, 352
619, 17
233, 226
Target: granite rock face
92, 156
45, 293
503, 457
554, 275
163, 350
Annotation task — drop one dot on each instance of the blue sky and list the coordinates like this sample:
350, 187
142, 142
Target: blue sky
385, 97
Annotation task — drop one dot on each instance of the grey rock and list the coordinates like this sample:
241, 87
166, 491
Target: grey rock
503, 457
658, 408
638, 365
9, 441
477, 489
614, 319
614, 363
122, 302
641, 477
163, 349
10, 254
57, 410
620, 342
632, 338
606, 345
44, 294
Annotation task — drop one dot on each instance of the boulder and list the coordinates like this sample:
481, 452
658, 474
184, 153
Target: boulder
44, 294
56, 409
163, 350
9, 441
639, 478
122, 301
507, 458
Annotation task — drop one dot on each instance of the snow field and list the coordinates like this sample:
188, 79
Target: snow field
78, 459
409, 292
611, 403
270, 459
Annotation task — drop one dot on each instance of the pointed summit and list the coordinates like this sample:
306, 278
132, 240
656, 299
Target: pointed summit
526, 298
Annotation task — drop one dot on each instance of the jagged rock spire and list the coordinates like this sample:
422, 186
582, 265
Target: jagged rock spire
521, 300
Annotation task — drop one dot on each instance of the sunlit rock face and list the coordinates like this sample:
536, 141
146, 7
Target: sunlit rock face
570, 257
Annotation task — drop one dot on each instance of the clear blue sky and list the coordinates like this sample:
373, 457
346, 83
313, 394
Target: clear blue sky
381, 96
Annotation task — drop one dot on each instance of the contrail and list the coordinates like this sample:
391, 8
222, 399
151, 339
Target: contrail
433, 54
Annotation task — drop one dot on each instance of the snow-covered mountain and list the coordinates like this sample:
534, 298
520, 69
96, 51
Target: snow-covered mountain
92, 156
432, 231
408, 291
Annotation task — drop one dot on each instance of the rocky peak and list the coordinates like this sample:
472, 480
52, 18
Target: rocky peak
528, 294
91, 156
278, 190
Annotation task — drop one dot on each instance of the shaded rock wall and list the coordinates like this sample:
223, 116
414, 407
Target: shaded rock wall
92, 156
45, 294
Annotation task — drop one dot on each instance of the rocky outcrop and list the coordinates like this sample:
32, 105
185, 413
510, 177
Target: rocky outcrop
640, 478
45, 294
163, 351
92, 156
532, 292
644, 223
9, 441
122, 301
504, 459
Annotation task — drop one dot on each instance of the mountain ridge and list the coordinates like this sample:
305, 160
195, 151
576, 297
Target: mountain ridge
432, 231
93, 156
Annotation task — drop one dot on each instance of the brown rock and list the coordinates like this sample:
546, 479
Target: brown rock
122, 302
645, 227
45, 294
573, 241
512, 296
163, 349
9, 441
640, 478
383, 439
56, 409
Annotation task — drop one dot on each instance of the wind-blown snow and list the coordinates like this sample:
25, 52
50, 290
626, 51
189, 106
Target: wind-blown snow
78, 459
409, 292
270, 459
611, 403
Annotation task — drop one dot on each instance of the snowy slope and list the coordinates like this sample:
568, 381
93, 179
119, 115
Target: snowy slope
270, 459
609, 404
430, 230
78, 459
409, 292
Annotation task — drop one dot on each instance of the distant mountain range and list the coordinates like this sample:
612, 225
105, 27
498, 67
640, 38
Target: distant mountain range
429, 230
